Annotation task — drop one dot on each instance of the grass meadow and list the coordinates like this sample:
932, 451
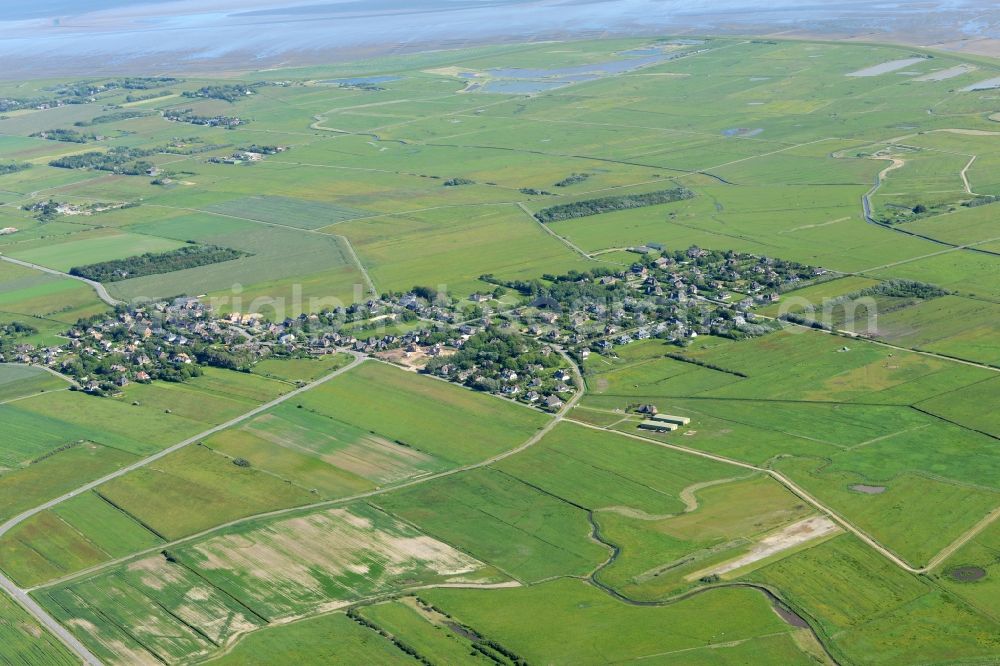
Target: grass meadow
777, 141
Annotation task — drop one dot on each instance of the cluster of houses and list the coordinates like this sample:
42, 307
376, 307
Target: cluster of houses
158, 341
536, 385
168, 340
675, 298
672, 297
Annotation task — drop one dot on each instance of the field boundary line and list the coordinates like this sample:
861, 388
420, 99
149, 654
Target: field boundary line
965, 179
47, 621
357, 262
565, 241
942, 555
950, 248
773, 152
31, 395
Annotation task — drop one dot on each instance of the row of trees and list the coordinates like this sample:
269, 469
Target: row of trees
981, 201
111, 118
154, 263
86, 89
610, 204
900, 289
13, 167
573, 179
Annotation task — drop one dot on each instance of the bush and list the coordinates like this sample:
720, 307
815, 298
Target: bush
573, 179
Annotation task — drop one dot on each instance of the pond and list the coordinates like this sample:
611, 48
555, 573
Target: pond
988, 84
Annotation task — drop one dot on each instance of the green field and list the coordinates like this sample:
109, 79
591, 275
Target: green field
90, 247
431, 417
875, 610
209, 592
421, 628
300, 369
325, 639
601, 471
389, 516
575, 624
171, 496
61, 471
79, 533
662, 555
46, 302
17, 381
25, 642
525, 532
454, 246
822, 426
286, 212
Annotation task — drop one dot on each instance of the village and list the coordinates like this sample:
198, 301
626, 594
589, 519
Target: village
518, 345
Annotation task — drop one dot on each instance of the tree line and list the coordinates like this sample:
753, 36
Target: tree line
111, 118
154, 263
13, 167
610, 204
67, 135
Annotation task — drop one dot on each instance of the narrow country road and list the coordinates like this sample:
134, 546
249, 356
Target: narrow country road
372, 291
102, 293
866, 211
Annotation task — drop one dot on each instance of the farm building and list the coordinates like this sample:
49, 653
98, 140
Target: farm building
658, 426
667, 418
